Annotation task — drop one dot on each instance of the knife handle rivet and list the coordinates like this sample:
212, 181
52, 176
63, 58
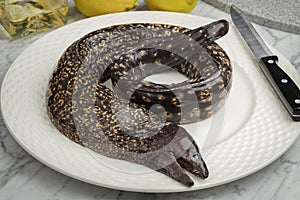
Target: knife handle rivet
297, 101
271, 61
284, 80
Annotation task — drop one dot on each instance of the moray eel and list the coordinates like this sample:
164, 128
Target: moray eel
85, 110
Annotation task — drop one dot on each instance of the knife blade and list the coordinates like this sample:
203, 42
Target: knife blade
286, 89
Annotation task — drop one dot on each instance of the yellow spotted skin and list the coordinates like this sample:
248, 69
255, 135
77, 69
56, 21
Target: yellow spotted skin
91, 114
189, 101
207, 68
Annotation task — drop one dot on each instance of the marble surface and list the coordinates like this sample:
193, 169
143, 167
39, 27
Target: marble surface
23, 177
282, 15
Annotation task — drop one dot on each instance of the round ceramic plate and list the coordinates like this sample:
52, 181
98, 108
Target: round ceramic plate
251, 131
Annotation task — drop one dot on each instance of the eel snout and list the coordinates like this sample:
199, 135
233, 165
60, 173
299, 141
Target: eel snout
193, 162
184, 155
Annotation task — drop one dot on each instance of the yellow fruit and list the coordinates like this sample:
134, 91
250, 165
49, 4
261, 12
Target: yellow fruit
184, 6
99, 7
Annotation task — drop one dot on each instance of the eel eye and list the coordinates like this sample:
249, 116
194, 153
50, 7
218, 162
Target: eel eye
196, 156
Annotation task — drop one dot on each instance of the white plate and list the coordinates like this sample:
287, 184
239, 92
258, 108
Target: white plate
254, 129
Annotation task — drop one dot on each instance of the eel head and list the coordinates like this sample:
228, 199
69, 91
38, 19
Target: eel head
182, 154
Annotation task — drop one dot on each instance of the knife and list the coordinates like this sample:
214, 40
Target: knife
286, 89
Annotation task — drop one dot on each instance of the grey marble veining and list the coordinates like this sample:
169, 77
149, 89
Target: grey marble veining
23, 177
282, 15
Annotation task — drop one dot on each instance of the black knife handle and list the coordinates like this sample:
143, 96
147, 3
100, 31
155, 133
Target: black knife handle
283, 85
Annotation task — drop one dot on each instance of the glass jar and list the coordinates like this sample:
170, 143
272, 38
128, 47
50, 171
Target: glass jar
23, 17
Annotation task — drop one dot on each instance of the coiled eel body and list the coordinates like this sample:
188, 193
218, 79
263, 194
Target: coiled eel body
86, 111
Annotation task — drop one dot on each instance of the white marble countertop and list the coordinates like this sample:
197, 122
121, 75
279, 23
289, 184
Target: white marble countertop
23, 177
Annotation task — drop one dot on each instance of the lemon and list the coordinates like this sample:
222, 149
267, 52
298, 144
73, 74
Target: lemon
184, 6
92, 8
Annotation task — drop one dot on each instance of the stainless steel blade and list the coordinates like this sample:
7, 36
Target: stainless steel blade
254, 41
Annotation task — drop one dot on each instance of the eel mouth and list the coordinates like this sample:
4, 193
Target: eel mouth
183, 155
197, 166
176, 170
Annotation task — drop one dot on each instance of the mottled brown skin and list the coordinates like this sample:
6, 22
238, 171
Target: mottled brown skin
189, 101
186, 102
90, 114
